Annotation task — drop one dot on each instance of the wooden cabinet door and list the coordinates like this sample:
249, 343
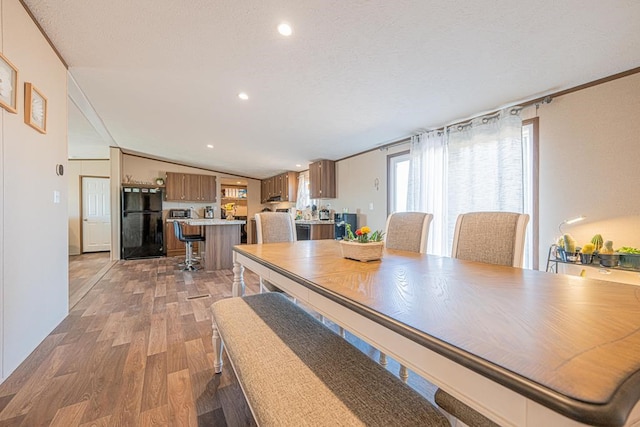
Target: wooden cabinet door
315, 180
264, 191
290, 186
271, 187
191, 187
277, 186
208, 188
174, 187
322, 231
322, 179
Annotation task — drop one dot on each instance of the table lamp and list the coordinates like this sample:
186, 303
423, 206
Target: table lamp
569, 222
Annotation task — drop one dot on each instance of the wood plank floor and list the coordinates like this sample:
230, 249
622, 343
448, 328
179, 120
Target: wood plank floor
84, 271
136, 351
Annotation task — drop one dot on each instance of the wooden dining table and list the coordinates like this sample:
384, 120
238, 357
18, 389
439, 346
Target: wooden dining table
522, 347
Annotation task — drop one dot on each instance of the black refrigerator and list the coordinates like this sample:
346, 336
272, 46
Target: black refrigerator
141, 226
340, 220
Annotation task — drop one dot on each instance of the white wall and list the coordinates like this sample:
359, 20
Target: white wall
590, 164
34, 282
357, 191
76, 169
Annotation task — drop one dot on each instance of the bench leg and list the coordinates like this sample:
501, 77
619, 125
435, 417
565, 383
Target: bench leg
382, 359
216, 339
237, 290
404, 373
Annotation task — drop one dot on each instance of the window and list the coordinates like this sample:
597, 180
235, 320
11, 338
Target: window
487, 164
398, 173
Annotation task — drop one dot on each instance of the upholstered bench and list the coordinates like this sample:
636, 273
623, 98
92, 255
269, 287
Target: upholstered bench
294, 371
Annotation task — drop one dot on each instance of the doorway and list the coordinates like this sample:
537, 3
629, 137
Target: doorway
96, 215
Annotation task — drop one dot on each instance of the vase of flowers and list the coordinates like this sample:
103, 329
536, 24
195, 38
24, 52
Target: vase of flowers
361, 245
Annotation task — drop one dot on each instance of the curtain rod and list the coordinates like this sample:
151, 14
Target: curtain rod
537, 102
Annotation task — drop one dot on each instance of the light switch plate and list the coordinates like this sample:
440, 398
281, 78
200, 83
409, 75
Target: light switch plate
56, 196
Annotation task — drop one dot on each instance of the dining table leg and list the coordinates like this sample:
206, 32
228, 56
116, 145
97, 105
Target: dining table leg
237, 290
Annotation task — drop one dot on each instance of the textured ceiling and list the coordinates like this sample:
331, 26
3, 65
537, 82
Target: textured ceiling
163, 76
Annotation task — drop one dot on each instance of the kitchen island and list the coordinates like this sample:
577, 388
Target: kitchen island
221, 235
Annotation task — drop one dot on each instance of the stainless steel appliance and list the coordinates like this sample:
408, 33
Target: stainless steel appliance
208, 212
180, 213
324, 215
141, 223
340, 220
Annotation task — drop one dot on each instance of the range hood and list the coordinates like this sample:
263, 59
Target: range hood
274, 199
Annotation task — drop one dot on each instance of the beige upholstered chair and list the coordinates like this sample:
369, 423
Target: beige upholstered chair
408, 231
492, 238
274, 227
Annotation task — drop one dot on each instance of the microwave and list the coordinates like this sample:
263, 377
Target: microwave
179, 213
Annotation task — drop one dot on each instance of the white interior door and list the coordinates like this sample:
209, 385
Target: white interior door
96, 215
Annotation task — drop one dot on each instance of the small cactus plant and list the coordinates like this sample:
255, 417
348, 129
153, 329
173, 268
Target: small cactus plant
588, 248
597, 242
569, 243
607, 248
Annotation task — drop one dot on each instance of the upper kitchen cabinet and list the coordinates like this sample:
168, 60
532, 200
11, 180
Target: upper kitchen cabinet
280, 188
322, 179
184, 187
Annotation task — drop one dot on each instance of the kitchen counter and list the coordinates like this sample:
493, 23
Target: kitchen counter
206, 221
220, 237
313, 221
210, 221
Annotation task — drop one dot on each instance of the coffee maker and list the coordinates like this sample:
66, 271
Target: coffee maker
208, 212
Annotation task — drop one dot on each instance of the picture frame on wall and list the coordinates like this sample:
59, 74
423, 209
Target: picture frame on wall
8, 85
35, 108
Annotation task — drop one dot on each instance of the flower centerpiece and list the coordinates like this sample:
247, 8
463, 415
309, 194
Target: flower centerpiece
362, 246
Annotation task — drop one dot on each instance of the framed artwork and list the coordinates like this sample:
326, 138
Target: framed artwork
35, 108
8, 85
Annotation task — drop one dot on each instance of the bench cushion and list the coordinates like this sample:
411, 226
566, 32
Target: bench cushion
295, 371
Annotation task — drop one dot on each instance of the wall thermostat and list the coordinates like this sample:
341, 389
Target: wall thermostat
59, 170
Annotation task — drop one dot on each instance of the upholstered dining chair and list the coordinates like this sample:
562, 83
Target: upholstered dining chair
490, 237
274, 227
493, 238
408, 231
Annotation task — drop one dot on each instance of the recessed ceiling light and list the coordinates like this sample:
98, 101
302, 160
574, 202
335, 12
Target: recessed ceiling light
238, 182
243, 96
298, 166
209, 146
285, 29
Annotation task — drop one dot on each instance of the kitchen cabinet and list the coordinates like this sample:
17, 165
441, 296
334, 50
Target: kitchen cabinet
184, 187
315, 230
322, 231
175, 247
322, 179
283, 186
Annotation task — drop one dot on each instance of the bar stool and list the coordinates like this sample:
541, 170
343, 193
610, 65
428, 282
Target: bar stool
188, 239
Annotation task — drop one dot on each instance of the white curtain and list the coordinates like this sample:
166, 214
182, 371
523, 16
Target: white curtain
302, 202
477, 166
427, 184
485, 170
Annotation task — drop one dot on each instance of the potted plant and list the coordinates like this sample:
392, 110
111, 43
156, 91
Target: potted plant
361, 246
586, 253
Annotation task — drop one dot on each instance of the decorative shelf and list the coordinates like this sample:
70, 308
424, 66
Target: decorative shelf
553, 260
